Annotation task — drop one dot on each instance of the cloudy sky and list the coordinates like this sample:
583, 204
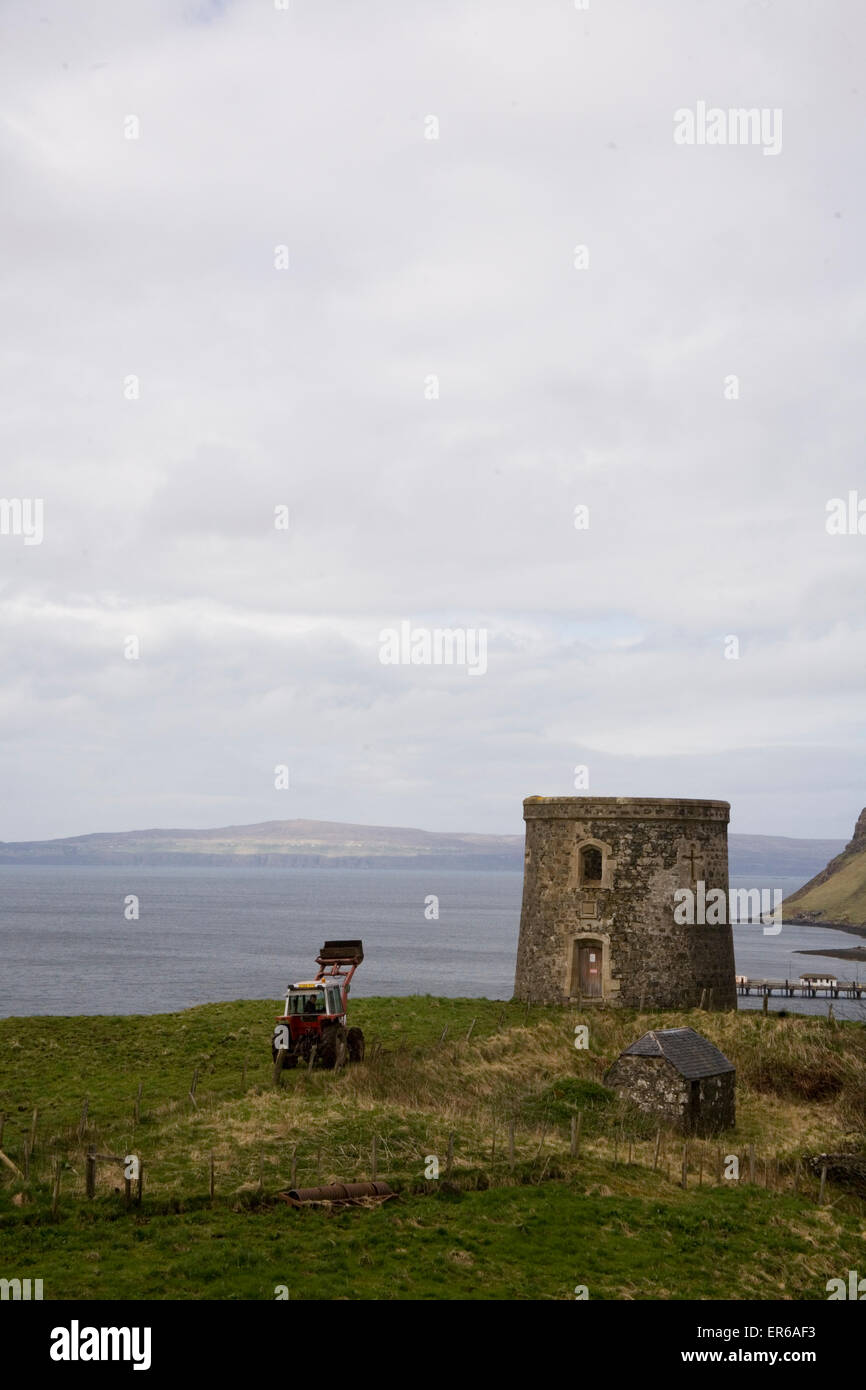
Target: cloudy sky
168, 385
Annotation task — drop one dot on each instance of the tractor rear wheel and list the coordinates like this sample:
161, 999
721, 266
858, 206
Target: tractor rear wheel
332, 1046
355, 1041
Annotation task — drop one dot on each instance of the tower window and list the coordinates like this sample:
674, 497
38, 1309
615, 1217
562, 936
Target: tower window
590, 864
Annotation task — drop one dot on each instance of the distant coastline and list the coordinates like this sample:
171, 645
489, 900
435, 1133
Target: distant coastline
308, 844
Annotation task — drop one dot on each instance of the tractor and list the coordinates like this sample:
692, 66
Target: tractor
313, 1027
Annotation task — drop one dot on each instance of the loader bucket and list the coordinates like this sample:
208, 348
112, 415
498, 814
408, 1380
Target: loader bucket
341, 953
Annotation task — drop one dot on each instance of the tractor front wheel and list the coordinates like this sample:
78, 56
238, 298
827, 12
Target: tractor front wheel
333, 1046
356, 1045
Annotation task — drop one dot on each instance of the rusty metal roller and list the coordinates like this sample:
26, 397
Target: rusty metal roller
339, 1192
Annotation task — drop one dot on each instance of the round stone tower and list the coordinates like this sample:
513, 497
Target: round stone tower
598, 922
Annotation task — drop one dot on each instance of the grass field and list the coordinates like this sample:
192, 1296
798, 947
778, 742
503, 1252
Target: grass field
532, 1226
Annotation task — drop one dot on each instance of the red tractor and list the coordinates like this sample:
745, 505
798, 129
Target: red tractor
314, 1023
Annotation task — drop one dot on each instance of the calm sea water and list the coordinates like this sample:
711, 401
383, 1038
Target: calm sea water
211, 934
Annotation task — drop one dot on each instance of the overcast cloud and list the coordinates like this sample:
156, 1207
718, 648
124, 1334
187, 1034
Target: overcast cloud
411, 257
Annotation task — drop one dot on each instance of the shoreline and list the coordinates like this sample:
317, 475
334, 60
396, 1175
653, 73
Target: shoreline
841, 953
849, 927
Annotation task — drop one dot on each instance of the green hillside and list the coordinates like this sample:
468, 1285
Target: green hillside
529, 1225
838, 892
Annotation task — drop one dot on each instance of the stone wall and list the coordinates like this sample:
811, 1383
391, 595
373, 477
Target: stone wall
649, 848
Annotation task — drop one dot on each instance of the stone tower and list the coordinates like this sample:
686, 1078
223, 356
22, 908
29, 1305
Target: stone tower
599, 878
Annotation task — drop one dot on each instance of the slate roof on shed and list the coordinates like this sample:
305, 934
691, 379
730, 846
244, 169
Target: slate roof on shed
693, 1056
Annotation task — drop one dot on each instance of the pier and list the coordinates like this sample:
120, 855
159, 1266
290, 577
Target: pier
836, 989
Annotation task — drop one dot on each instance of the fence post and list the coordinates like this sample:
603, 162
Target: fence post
55, 1190
90, 1176
294, 1176
82, 1123
193, 1085
140, 1183
278, 1067
471, 1026
658, 1145
823, 1184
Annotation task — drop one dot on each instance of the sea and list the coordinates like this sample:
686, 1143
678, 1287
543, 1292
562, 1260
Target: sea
70, 942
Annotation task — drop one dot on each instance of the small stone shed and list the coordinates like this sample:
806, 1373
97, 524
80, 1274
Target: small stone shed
680, 1076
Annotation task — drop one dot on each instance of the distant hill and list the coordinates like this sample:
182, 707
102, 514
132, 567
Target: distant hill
310, 843
778, 854
838, 893
276, 844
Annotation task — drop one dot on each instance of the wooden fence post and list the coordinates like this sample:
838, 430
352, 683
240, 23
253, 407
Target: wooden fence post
658, 1144
90, 1176
82, 1123
823, 1184
193, 1085
278, 1067
55, 1190
33, 1131
140, 1187
294, 1177
471, 1026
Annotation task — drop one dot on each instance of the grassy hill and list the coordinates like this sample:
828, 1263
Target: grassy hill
838, 892
532, 1226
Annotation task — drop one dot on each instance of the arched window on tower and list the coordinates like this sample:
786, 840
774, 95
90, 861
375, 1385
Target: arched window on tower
591, 864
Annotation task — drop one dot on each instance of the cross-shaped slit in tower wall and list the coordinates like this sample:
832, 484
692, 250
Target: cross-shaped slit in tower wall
691, 857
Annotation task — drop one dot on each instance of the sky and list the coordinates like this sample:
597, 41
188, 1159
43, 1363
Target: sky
325, 258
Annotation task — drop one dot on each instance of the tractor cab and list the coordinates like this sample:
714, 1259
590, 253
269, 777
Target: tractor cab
314, 999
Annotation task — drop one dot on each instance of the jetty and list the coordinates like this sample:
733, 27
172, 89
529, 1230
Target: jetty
806, 987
